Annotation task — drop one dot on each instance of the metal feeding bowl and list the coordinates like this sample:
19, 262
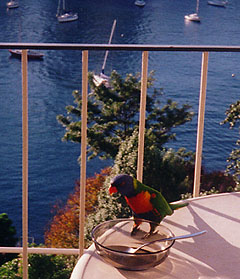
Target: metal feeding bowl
113, 239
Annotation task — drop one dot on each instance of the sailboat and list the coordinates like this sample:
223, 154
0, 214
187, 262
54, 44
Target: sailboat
140, 3
64, 16
218, 3
31, 54
194, 16
102, 78
12, 4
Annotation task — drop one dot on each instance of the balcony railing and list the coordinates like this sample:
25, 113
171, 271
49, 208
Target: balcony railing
85, 48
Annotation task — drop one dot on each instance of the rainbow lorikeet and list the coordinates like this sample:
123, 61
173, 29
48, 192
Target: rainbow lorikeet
145, 202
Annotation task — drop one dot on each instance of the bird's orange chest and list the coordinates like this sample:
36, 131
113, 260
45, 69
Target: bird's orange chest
140, 203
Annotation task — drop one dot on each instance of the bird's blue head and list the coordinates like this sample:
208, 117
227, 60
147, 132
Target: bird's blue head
123, 184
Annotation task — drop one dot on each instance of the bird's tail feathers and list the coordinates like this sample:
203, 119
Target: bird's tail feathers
175, 206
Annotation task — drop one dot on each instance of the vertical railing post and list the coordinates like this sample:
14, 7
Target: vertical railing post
142, 115
201, 112
83, 149
25, 162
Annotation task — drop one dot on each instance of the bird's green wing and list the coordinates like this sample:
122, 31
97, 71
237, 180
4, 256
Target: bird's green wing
159, 203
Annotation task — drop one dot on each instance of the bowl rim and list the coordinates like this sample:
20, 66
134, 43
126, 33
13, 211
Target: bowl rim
124, 252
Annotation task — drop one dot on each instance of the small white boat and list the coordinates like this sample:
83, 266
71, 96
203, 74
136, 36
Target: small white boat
140, 3
31, 54
102, 78
67, 17
192, 17
12, 5
64, 16
218, 3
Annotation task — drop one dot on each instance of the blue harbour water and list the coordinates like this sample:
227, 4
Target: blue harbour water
53, 167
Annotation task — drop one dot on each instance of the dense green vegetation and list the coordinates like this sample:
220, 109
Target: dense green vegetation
7, 237
39, 267
113, 115
233, 119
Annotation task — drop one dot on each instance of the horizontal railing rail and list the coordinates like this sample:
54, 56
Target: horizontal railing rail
85, 48
116, 47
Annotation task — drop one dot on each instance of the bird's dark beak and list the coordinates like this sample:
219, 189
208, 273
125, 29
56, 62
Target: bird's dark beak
112, 190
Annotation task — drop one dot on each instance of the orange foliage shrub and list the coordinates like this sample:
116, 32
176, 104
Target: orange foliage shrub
63, 229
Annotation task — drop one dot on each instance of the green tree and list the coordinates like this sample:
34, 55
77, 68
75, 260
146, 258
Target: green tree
233, 119
113, 115
10, 270
7, 237
49, 267
40, 267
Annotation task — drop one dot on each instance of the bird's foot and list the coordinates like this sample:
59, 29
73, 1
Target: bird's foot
147, 235
134, 230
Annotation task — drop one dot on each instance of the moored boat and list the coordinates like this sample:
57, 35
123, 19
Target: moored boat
192, 17
31, 54
217, 3
63, 15
140, 3
67, 17
12, 5
102, 78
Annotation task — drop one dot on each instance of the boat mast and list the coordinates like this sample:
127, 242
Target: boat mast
64, 8
197, 7
58, 9
109, 42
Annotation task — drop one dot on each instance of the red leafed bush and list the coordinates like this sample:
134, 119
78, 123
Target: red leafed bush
63, 229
